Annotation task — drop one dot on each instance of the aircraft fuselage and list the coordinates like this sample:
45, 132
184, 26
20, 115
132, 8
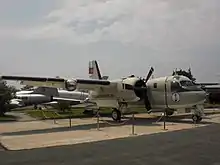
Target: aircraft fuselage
165, 92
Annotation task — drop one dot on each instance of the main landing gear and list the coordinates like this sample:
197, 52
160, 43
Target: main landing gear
116, 114
169, 113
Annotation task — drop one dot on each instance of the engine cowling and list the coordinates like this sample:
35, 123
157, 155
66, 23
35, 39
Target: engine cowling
135, 84
140, 89
70, 85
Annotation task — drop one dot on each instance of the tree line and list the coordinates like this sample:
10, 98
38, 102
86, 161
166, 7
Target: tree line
7, 92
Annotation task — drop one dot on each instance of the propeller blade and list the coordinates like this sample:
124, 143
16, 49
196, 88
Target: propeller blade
146, 102
149, 74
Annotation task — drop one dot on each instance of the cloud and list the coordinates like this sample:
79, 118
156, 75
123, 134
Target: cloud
155, 23
12, 32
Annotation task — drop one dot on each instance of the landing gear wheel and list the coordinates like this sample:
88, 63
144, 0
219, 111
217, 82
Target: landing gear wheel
116, 115
35, 106
169, 113
196, 118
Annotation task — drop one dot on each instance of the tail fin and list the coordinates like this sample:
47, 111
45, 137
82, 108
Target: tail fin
94, 72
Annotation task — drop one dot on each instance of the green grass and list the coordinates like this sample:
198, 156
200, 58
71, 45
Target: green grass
73, 113
77, 112
7, 118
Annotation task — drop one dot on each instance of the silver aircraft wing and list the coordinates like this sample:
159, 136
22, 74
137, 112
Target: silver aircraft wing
85, 84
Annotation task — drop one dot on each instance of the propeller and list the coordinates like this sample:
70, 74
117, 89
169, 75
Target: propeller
141, 86
140, 89
146, 100
149, 74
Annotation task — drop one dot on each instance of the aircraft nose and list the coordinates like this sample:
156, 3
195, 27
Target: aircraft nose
202, 95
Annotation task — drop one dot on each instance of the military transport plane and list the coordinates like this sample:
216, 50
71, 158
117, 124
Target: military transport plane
170, 92
160, 101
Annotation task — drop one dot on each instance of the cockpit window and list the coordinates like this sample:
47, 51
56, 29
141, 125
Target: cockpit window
128, 87
186, 83
189, 85
175, 86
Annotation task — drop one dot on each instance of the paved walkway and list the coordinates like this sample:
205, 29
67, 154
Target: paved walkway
21, 116
38, 134
199, 146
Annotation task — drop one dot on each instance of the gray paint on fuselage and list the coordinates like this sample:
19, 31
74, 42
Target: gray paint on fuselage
162, 98
74, 95
30, 99
159, 92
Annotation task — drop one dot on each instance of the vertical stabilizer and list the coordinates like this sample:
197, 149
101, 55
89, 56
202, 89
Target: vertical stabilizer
94, 72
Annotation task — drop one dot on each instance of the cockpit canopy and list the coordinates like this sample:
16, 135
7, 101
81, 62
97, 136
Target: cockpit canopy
21, 97
181, 85
186, 83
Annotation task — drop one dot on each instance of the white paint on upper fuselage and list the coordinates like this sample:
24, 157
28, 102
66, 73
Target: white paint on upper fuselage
24, 92
159, 93
72, 94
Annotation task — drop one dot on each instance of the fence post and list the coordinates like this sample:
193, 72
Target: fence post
98, 121
164, 120
132, 126
70, 122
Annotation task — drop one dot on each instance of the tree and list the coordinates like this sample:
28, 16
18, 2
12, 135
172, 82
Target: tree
6, 94
184, 73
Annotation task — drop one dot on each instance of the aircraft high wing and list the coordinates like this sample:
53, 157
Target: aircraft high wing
37, 81
70, 85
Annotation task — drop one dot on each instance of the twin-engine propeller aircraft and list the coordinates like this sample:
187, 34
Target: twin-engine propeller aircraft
169, 93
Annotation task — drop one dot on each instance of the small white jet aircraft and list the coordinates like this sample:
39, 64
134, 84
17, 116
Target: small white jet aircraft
47, 96
169, 92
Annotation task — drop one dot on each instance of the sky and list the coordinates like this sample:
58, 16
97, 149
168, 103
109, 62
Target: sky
58, 38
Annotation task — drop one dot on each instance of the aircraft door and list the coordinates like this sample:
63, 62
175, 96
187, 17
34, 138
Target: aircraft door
172, 95
166, 93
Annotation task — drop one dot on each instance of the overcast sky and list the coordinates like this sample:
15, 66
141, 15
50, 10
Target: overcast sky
54, 37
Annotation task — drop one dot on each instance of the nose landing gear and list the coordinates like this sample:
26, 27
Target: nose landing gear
196, 118
198, 113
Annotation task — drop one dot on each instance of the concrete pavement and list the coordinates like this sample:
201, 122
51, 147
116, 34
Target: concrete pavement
38, 134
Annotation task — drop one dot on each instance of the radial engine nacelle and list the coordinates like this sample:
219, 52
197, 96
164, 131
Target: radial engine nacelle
132, 88
70, 85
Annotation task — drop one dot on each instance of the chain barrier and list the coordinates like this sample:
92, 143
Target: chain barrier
97, 117
44, 115
160, 118
109, 123
54, 113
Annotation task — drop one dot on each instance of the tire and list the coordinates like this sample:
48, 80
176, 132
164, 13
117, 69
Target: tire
169, 113
116, 115
196, 118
